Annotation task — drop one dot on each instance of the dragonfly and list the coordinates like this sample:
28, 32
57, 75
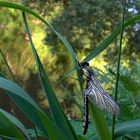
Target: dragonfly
96, 94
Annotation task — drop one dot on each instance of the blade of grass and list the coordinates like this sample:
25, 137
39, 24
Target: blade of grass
57, 112
7, 128
118, 66
127, 127
7, 65
54, 132
99, 122
7, 138
16, 122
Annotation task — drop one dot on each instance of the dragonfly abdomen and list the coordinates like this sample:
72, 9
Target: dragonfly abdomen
86, 114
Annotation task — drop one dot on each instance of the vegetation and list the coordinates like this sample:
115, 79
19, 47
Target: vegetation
93, 29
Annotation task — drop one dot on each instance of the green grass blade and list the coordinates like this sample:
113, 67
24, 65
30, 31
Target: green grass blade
7, 138
7, 64
54, 132
8, 129
99, 123
118, 66
57, 112
102, 46
127, 127
16, 122
31, 109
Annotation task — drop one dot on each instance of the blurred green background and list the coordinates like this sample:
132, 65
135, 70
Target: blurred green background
84, 23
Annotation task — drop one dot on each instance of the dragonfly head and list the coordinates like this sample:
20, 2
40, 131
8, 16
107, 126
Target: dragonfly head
86, 70
84, 63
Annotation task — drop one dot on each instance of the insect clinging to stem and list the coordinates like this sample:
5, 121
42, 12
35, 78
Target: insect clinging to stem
96, 94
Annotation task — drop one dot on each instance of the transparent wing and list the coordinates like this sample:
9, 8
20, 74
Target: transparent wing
98, 96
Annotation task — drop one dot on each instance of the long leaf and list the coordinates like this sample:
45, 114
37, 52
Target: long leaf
127, 127
99, 122
57, 112
16, 122
8, 129
118, 65
7, 137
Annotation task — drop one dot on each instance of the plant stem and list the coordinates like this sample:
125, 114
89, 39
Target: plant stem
118, 66
7, 65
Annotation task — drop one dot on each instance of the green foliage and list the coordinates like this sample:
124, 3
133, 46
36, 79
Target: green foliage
12, 122
56, 125
7, 129
98, 122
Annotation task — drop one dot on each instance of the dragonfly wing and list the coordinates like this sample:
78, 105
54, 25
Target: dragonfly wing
98, 96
